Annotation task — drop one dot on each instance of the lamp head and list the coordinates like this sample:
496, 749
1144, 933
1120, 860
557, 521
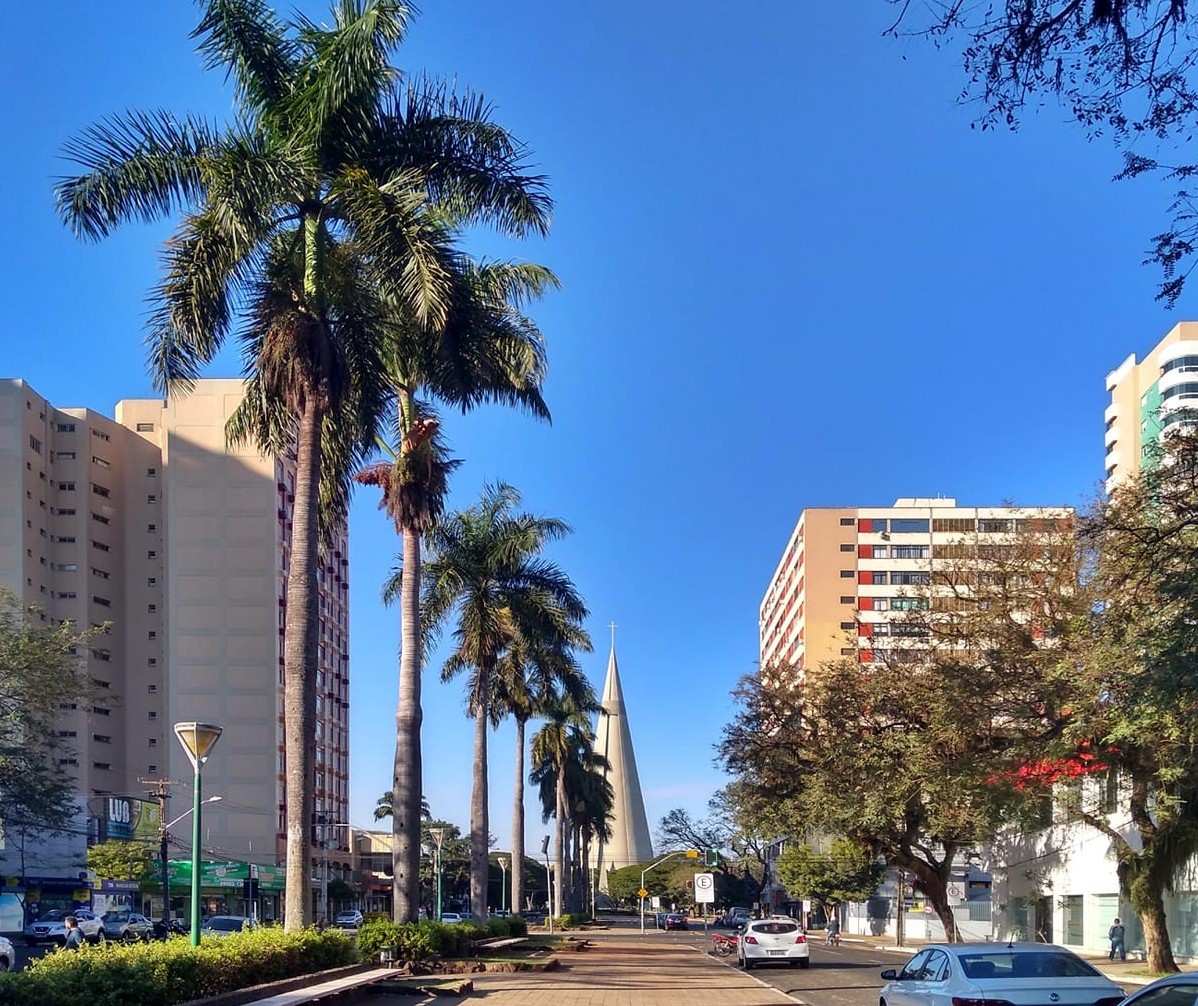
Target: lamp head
438, 835
198, 740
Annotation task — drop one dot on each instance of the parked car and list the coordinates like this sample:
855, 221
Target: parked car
1021, 974
1175, 990
52, 927
225, 925
734, 918
778, 938
672, 920
8, 955
127, 926
451, 918
349, 919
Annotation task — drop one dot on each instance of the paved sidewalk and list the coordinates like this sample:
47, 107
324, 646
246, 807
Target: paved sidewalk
618, 972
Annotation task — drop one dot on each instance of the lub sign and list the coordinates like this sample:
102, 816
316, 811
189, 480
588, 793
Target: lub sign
126, 819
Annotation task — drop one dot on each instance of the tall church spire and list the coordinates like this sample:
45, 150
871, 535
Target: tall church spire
629, 842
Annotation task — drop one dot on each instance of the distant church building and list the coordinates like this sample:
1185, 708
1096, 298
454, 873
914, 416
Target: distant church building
629, 842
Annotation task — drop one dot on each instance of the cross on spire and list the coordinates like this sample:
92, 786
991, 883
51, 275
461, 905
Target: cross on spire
613, 627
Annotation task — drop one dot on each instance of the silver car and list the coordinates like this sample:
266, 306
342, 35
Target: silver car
8, 956
52, 927
1175, 990
984, 974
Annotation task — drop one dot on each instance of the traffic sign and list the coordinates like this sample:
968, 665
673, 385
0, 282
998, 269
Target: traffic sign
704, 888
642, 893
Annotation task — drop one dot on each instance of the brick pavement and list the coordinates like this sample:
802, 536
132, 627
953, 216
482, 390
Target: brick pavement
621, 972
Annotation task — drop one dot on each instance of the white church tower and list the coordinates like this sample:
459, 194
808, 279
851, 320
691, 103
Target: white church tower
629, 842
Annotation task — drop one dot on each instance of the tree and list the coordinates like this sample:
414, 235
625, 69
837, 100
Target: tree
487, 572
487, 351
39, 669
917, 754
333, 182
531, 679
384, 806
117, 860
845, 872
1140, 662
1120, 67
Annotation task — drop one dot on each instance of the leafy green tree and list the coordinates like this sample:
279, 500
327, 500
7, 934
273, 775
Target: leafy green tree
487, 351
334, 184
117, 860
1140, 661
1121, 68
39, 669
486, 571
845, 872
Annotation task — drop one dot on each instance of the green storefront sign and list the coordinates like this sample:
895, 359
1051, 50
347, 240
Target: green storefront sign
270, 878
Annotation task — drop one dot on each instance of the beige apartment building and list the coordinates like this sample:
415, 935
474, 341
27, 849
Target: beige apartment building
1147, 398
150, 523
850, 576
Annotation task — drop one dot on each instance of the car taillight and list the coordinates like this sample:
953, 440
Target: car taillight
750, 939
800, 938
981, 1001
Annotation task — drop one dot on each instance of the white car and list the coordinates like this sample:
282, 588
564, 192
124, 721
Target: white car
451, 918
1019, 974
778, 938
52, 927
349, 919
8, 956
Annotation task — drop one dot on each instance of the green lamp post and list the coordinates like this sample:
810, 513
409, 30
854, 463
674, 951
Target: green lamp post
198, 740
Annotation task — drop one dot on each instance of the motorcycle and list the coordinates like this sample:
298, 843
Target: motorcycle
722, 945
177, 927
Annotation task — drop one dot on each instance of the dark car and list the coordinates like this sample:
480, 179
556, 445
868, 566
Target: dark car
671, 920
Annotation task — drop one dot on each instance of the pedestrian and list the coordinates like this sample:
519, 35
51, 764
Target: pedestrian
1116, 937
74, 938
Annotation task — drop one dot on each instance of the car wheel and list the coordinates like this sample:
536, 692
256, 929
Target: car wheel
804, 963
5, 964
746, 964
129, 936
100, 937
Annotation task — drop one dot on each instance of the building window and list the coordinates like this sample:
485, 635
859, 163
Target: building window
153, 769
847, 651
100, 490
151, 554
847, 522
66, 567
910, 578
847, 598
64, 455
66, 511
145, 427
152, 634
846, 574
909, 525
102, 765
102, 574
153, 662
103, 602
846, 548
66, 487
101, 711
152, 688
100, 519
880, 552
954, 524
995, 525
848, 625
100, 461
151, 498
101, 738
101, 436
908, 604
151, 608
35, 445
100, 545
153, 742
151, 528
65, 595
66, 427
152, 581
910, 551
153, 715
151, 473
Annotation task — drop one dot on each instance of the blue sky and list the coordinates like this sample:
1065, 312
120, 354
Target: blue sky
793, 276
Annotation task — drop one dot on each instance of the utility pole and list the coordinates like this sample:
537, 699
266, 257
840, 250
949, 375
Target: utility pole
162, 795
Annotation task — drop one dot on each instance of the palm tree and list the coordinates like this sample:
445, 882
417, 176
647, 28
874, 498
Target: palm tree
593, 803
340, 180
487, 351
565, 740
485, 568
530, 679
383, 806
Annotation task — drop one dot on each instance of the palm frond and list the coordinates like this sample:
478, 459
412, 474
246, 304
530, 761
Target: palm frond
249, 41
139, 166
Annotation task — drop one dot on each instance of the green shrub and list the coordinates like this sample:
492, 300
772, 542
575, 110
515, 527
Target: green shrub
567, 921
161, 974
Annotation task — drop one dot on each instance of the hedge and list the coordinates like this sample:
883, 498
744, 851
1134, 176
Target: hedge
427, 940
163, 974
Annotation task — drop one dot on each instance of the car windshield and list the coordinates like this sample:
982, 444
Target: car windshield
116, 916
1034, 964
55, 915
347, 916
225, 925
776, 927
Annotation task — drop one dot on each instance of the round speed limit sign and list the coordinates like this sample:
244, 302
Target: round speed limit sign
704, 887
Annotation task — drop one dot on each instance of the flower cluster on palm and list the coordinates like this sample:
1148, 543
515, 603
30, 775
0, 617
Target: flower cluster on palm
321, 225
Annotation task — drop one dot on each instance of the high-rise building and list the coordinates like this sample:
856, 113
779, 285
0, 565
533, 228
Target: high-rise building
850, 576
629, 842
1147, 398
153, 524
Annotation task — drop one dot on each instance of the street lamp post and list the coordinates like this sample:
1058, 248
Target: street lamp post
198, 740
503, 863
164, 838
548, 883
438, 837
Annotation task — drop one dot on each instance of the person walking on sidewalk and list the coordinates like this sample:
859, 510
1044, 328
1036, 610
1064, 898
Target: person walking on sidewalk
1116, 937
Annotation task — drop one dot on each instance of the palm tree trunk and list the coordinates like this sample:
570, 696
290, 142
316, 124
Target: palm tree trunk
299, 670
559, 880
408, 777
518, 823
479, 824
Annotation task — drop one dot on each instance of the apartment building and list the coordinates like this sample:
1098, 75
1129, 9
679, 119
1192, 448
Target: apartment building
849, 577
1147, 398
151, 523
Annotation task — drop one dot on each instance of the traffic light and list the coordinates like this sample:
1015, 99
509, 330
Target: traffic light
711, 857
